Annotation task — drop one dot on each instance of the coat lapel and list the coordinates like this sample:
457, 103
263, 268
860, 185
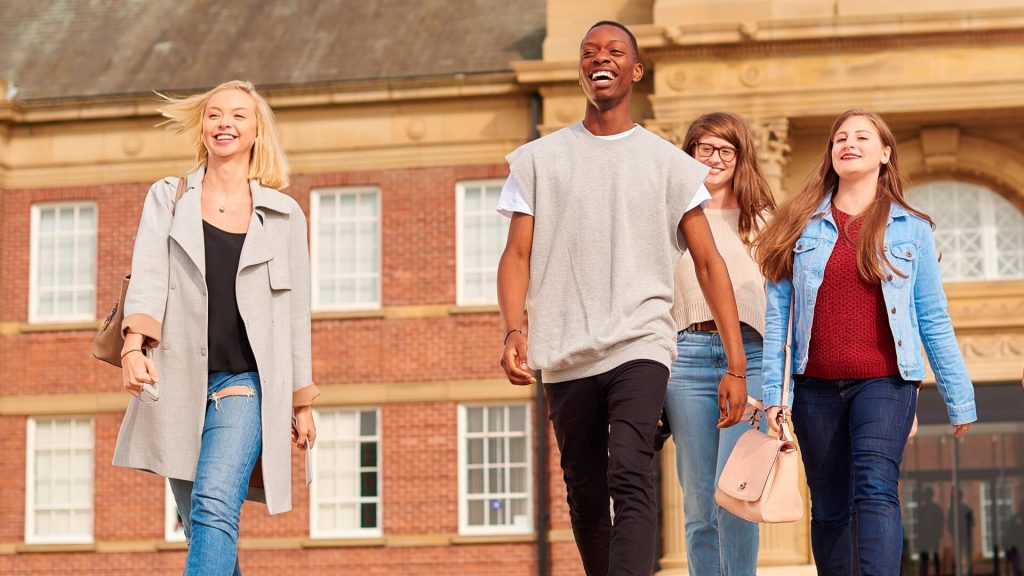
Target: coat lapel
258, 246
187, 224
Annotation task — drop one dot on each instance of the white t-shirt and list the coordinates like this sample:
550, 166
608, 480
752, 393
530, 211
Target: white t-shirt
513, 200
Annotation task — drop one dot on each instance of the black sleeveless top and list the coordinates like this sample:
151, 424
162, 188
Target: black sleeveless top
226, 338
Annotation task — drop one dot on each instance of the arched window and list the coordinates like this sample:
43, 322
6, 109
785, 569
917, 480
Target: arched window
979, 234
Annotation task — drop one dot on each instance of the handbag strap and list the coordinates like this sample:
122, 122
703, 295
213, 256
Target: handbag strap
784, 432
178, 194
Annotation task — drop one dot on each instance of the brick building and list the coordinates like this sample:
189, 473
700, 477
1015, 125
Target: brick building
396, 118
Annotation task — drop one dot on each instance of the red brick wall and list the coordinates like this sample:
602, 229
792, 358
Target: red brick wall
419, 475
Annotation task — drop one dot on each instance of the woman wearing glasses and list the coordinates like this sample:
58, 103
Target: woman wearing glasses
718, 542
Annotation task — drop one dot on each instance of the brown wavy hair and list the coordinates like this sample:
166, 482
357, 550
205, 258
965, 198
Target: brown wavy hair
748, 182
775, 244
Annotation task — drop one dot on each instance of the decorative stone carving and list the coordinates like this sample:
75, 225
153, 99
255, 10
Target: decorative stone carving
999, 346
416, 129
678, 80
751, 75
674, 132
771, 136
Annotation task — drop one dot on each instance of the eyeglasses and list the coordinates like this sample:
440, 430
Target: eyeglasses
726, 153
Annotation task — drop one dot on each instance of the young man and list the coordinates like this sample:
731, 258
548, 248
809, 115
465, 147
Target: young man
601, 212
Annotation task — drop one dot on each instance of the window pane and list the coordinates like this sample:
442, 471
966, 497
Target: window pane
517, 418
368, 422
476, 512
495, 450
368, 455
368, 515
517, 450
475, 481
369, 484
475, 453
496, 419
474, 420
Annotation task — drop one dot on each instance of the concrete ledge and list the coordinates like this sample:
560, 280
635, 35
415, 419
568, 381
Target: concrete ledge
375, 542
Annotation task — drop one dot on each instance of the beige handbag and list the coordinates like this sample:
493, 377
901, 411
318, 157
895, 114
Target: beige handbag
109, 341
760, 481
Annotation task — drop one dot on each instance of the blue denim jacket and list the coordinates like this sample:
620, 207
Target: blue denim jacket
916, 307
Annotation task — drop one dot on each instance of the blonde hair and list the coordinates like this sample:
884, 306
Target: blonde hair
267, 161
775, 244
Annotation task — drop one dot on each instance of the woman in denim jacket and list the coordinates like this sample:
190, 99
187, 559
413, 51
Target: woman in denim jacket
859, 266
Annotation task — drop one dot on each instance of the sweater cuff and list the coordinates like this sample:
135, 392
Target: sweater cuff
304, 396
145, 325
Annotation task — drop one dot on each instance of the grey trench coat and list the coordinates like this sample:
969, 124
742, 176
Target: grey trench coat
167, 304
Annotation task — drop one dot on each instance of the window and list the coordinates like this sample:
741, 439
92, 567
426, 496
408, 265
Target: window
1003, 511
979, 234
58, 481
62, 275
345, 498
480, 240
346, 249
495, 474
174, 531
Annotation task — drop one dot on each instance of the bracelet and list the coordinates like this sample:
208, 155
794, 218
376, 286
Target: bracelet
123, 354
509, 333
743, 377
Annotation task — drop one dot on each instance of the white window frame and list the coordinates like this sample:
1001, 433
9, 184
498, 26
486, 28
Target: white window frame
990, 202
314, 512
33, 280
314, 213
465, 528
171, 531
30, 485
460, 202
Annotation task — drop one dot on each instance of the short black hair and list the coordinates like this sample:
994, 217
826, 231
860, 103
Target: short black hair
620, 26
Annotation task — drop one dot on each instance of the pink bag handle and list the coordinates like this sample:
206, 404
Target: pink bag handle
758, 405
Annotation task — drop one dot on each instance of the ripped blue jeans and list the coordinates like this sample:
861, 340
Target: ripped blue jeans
211, 506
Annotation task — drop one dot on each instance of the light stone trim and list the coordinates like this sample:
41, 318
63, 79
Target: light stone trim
481, 390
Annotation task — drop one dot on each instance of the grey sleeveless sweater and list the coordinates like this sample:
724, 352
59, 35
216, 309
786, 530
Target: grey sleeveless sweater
605, 247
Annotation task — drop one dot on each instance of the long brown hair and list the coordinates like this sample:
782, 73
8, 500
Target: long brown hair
748, 182
775, 244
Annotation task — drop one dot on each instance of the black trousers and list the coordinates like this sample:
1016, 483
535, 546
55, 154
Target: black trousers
605, 427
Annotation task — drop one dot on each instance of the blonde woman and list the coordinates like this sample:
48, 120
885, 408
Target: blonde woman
217, 326
717, 542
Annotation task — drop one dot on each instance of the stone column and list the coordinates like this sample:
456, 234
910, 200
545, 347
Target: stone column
771, 135
673, 537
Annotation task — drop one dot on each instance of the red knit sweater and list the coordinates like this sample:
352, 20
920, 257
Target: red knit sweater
850, 337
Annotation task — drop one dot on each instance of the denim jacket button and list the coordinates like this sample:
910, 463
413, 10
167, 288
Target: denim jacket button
889, 277
893, 309
909, 254
899, 342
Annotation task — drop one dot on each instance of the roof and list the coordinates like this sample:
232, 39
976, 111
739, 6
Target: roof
73, 48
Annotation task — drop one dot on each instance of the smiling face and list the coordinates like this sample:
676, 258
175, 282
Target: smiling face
229, 124
721, 171
608, 66
857, 148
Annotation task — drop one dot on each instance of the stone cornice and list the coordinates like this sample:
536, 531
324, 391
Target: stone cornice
815, 34
126, 106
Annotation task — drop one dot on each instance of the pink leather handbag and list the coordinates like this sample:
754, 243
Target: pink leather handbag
760, 481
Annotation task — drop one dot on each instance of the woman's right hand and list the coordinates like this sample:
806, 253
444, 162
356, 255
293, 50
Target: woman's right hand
773, 414
137, 370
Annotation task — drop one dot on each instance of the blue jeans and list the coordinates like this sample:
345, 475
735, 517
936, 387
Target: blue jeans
852, 434
211, 506
717, 542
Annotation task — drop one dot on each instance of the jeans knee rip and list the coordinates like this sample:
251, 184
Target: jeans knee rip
231, 391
